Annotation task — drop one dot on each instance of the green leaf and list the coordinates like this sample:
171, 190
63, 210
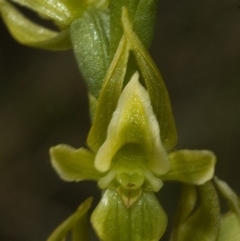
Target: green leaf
79, 217
109, 95
143, 15
154, 83
116, 30
145, 220
134, 122
72, 164
31, 34
229, 227
201, 224
144, 21
192, 167
90, 38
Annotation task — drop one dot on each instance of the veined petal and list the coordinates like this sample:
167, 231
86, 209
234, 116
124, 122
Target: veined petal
31, 34
154, 84
77, 219
52, 9
109, 95
134, 122
145, 220
193, 167
72, 164
62, 12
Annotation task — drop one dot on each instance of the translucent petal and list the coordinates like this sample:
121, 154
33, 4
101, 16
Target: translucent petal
76, 219
72, 164
110, 92
145, 220
155, 85
193, 167
134, 122
31, 34
202, 223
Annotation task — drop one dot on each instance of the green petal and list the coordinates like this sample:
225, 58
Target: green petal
90, 38
229, 195
31, 34
134, 122
229, 227
78, 219
192, 167
201, 224
63, 12
155, 85
110, 92
72, 164
145, 220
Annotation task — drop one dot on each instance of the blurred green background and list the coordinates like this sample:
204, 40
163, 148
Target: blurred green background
43, 102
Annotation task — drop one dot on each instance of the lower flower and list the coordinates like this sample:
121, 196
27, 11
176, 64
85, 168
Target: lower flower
130, 165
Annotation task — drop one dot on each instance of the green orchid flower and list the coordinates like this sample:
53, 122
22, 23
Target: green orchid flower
132, 162
133, 156
61, 12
